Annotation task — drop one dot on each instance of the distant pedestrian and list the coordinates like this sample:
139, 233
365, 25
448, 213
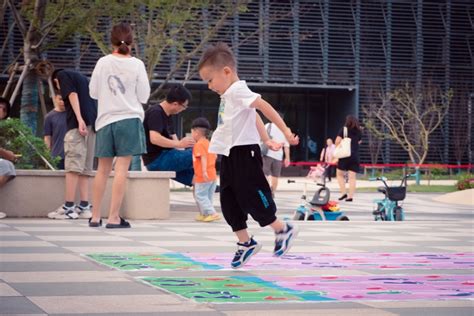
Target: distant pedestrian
55, 128
349, 164
120, 84
274, 160
327, 157
204, 164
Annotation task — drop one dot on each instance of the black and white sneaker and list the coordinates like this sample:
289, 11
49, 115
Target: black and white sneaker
64, 212
244, 252
284, 240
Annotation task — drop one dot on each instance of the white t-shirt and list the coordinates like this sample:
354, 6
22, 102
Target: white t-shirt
236, 122
277, 135
121, 86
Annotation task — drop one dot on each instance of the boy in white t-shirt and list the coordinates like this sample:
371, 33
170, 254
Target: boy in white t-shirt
243, 187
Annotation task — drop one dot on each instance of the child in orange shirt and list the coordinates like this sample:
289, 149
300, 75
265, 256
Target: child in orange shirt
204, 164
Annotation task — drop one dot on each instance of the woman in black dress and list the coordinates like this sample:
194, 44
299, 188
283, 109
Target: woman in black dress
350, 164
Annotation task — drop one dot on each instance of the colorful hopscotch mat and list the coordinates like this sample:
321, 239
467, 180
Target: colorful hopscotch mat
250, 289
353, 261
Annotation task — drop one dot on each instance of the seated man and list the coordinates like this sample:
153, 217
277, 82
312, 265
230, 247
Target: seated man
164, 150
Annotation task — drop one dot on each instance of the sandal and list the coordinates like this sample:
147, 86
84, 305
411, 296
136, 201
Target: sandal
343, 197
123, 224
95, 224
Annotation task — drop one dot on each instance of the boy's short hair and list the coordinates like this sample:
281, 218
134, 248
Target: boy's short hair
7, 106
54, 75
219, 55
178, 93
202, 124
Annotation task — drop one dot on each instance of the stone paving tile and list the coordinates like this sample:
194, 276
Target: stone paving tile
39, 257
113, 303
62, 276
18, 305
6, 290
84, 288
47, 266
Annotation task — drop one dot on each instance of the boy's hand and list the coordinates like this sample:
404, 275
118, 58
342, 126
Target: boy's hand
205, 176
273, 145
82, 127
291, 138
286, 162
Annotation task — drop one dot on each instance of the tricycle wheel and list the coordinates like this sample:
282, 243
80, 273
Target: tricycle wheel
343, 218
398, 214
298, 216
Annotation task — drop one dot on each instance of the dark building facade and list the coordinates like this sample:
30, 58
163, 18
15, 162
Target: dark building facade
319, 60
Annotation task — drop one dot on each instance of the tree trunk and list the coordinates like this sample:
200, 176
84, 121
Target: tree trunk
30, 101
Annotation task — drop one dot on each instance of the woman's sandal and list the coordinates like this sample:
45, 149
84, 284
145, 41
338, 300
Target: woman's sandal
95, 224
123, 224
349, 200
343, 197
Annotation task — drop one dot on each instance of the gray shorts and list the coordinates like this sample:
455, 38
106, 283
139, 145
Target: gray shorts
272, 166
7, 169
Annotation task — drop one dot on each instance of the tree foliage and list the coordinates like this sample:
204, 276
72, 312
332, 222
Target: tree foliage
410, 117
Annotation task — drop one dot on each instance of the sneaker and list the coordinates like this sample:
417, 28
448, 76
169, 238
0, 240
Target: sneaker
3, 215
84, 211
211, 218
245, 252
200, 218
64, 212
284, 240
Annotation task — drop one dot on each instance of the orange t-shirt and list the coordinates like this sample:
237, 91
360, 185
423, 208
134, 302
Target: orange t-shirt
201, 149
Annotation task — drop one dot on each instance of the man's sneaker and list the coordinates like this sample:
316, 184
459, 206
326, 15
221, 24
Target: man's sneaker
244, 252
64, 212
84, 211
284, 240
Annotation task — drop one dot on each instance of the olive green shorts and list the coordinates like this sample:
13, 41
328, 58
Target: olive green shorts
121, 138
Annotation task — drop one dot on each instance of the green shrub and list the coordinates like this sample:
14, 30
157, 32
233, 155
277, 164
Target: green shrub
17, 137
465, 182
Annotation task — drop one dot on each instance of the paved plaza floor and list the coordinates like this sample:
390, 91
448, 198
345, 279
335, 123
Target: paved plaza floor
422, 266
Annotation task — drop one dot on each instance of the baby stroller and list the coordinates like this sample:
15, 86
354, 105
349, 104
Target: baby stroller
319, 208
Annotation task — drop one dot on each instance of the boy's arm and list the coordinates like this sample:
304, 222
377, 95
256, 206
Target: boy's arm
286, 149
47, 141
204, 168
262, 131
270, 113
74, 100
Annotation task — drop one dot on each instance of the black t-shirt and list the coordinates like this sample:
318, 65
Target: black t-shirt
72, 81
355, 135
156, 120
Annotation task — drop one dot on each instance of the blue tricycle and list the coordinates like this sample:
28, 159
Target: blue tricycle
318, 208
388, 209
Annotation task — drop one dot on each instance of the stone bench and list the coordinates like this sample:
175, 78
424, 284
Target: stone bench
35, 193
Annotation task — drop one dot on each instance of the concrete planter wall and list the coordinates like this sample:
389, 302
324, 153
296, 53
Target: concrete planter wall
35, 193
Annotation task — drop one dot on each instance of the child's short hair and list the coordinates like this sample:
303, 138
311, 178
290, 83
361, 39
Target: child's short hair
178, 93
203, 124
219, 55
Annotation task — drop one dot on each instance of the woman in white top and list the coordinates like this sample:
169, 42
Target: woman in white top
120, 84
